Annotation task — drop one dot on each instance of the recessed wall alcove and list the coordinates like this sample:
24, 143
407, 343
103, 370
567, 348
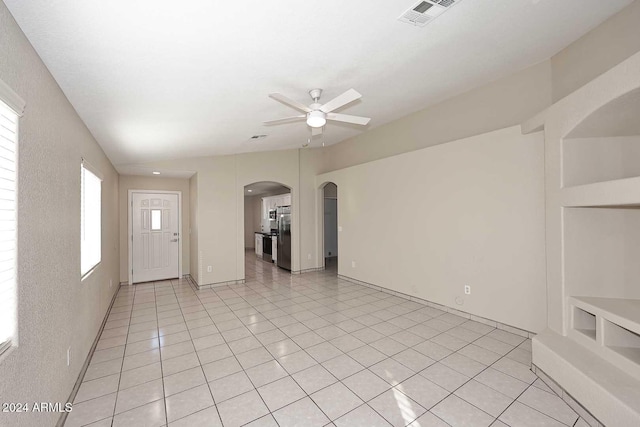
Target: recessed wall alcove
592, 346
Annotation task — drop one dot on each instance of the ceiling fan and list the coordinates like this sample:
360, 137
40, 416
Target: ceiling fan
317, 114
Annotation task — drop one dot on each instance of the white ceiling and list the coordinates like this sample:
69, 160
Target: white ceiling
158, 79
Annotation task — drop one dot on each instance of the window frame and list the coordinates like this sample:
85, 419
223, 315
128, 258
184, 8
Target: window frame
15, 104
85, 166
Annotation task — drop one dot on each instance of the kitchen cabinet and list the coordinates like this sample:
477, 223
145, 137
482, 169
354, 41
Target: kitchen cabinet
273, 202
258, 244
270, 203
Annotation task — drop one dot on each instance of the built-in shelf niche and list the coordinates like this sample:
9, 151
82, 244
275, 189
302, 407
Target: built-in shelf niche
605, 146
601, 252
622, 341
584, 322
600, 159
610, 327
592, 176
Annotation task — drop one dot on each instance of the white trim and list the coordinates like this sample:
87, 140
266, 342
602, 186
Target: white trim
5, 346
130, 228
12, 99
88, 166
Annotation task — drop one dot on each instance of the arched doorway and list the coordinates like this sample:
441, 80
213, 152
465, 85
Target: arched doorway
330, 226
267, 230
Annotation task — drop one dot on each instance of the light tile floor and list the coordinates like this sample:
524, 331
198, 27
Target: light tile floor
306, 350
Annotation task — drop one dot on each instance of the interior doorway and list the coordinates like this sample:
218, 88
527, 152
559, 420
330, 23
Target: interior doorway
267, 229
330, 226
155, 246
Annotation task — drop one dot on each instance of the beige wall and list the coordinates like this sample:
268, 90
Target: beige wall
470, 212
505, 102
55, 309
193, 230
249, 221
130, 182
597, 51
257, 215
220, 192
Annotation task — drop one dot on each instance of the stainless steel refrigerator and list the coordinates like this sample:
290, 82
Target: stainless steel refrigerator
284, 237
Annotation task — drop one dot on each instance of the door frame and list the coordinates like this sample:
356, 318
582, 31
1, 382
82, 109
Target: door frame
130, 228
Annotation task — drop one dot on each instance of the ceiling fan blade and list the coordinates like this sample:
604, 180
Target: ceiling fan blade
284, 120
356, 120
290, 102
341, 100
316, 131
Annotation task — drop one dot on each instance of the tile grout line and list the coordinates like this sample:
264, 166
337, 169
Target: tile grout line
199, 363
454, 351
310, 291
164, 392
275, 359
343, 353
124, 355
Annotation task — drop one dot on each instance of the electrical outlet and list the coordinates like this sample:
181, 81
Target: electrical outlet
353, 264
69, 356
110, 282
467, 290
209, 269
309, 256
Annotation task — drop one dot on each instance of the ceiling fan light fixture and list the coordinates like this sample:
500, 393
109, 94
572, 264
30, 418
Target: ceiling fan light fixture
316, 119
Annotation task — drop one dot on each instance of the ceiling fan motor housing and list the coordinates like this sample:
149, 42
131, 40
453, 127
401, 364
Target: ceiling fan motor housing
316, 119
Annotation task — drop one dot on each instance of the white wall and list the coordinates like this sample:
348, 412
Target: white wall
130, 182
55, 309
470, 212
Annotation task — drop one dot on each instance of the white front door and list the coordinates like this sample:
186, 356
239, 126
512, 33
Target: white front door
155, 236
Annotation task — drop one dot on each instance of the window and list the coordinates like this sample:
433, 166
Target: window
156, 219
8, 226
90, 218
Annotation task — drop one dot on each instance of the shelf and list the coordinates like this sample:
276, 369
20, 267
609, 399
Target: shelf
622, 341
610, 328
584, 322
621, 311
617, 193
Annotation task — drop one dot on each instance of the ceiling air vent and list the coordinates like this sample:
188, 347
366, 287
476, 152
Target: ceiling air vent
425, 11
